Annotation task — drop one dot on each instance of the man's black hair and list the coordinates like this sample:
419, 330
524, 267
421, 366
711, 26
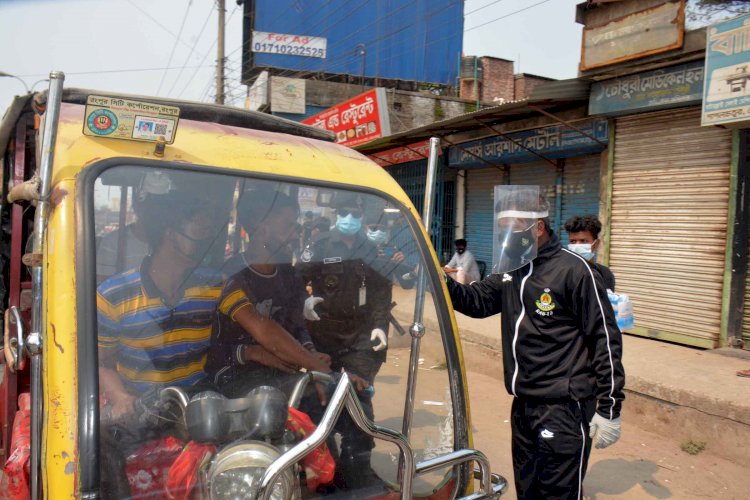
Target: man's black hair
460, 242
255, 206
167, 211
579, 223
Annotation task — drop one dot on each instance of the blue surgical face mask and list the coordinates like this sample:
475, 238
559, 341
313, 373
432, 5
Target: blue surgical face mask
348, 225
377, 236
582, 249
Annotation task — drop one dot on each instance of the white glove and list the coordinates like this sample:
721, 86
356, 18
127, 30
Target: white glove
309, 310
378, 336
604, 432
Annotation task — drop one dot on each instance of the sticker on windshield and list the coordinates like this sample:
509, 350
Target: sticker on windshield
130, 120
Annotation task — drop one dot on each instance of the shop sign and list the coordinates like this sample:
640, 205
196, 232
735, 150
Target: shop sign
287, 95
663, 88
357, 121
414, 152
726, 98
639, 34
551, 142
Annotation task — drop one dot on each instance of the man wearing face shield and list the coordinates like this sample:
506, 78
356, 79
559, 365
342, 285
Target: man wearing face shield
348, 318
562, 350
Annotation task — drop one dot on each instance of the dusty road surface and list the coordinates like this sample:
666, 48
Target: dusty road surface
642, 465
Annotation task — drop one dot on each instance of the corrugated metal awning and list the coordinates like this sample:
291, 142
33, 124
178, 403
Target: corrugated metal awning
550, 97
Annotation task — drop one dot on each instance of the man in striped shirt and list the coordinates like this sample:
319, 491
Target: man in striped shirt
155, 319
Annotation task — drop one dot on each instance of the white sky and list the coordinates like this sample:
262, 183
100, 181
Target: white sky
98, 36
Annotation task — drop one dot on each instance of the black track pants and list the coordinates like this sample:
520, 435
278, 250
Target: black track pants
551, 448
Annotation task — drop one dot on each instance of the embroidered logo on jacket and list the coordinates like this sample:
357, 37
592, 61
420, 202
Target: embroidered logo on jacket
544, 304
547, 434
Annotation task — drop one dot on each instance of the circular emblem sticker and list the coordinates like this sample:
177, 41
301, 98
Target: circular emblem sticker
102, 122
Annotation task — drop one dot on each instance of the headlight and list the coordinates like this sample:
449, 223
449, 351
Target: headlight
237, 470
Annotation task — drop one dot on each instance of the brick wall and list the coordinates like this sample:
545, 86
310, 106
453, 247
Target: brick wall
409, 110
497, 79
525, 83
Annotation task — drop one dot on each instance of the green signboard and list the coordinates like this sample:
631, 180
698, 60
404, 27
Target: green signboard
671, 87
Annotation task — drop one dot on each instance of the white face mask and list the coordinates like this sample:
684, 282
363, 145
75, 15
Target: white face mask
582, 249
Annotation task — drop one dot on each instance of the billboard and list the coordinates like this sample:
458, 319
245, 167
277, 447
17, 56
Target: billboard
639, 34
393, 39
357, 121
726, 93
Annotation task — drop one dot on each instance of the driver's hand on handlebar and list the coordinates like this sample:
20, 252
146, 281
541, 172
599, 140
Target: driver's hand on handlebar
322, 357
259, 354
358, 382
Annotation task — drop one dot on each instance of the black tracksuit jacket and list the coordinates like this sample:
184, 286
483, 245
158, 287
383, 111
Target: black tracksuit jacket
560, 337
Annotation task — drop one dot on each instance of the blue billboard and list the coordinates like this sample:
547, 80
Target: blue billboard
393, 39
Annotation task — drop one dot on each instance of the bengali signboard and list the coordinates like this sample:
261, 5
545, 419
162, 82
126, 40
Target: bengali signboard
413, 152
357, 121
132, 120
675, 86
551, 142
639, 34
726, 98
288, 45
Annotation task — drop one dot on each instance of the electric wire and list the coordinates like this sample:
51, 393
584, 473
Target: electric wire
174, 46
192, 49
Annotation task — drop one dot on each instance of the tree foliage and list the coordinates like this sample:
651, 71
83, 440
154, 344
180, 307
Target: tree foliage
704, 12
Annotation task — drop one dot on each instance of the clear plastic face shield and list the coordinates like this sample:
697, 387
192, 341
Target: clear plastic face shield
517, 211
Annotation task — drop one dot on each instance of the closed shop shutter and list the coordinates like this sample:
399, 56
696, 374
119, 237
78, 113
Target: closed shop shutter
580, 189
540, 174
412, 177
669, 223
480, 185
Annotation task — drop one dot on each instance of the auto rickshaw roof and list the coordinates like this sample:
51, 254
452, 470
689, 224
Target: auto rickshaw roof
212, 136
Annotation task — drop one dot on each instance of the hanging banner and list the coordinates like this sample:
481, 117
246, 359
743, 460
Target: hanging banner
357, 121
726, 93
679, 85
551, 142
289, 45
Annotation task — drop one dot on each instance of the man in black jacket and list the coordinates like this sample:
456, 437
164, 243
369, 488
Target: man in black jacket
562, 349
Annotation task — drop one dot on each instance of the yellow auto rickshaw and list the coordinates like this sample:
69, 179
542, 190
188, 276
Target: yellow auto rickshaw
152, 248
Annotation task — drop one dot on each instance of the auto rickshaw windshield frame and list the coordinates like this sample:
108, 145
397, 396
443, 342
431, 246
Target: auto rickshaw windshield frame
87, 346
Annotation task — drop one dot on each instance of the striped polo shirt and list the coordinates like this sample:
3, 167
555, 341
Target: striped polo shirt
152, 342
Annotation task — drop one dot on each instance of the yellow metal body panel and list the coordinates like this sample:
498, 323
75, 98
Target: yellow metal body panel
244, 151
60, 373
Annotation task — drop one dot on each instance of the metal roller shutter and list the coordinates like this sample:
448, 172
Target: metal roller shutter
580, 190
669, 223
540, 174
412, 176
480, 185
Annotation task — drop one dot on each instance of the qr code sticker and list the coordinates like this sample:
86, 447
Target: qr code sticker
160, 128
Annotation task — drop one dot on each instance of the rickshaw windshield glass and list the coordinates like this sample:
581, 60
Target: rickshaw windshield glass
216, 295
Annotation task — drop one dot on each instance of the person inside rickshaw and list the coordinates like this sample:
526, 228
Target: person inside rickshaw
154, 326
259, 336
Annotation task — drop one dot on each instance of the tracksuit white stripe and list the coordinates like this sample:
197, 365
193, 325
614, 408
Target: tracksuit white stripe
583, 451
606, 331
515, 333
